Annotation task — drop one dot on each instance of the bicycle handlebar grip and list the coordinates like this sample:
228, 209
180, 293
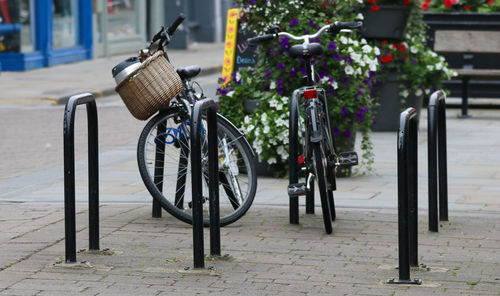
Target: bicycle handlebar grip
261, 39
171, 29
347, 25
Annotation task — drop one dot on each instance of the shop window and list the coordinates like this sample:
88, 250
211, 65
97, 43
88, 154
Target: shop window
16, 30
65, 23
122, 18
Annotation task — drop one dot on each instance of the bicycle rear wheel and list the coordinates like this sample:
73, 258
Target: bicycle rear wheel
163, 155
320, 167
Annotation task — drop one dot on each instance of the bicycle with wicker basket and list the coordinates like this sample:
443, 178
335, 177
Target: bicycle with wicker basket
154, 86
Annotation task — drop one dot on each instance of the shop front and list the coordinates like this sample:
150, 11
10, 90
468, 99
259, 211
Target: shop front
44, 33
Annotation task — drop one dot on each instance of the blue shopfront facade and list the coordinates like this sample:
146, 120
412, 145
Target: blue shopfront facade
43, 33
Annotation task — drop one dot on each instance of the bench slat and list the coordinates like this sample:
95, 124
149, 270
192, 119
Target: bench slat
467, 41
478, 72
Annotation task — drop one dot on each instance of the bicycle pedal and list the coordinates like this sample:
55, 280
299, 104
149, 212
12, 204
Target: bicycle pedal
297, 189
349, 158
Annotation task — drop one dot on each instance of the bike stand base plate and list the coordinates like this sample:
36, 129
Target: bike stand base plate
199, 271
225, 257
394, 281
73, 265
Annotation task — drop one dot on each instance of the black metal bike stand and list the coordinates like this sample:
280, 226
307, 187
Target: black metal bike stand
69, 174
293, 140
437, 163
407, 197
209, 106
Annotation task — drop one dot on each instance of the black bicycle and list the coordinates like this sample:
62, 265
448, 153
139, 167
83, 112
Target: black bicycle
164, 147
317, 157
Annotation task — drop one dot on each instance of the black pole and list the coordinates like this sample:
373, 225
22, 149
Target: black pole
293, 158
159, 164
432, 164
93, 148
69, 174
442, 154
405, 172
213, 175
413, 188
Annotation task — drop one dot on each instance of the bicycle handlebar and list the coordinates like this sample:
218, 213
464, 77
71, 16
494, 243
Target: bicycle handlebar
261, 39
334, 28
171, 29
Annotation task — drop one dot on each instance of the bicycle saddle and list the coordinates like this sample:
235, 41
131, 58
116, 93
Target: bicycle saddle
306, 50
188, 72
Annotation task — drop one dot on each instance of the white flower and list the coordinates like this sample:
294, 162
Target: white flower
266, 129
419, 92
334, 84
246, 120
405, 93
271, 160
324, 79
360, 15
367, 48
343, 40
230, 94
349, 70
377, 51
279, 107
430, 67
264, 117
272, 85
413, 49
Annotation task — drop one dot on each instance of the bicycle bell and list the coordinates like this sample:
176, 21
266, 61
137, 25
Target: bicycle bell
124, 69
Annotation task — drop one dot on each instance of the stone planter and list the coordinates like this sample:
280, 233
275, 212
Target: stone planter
249, 105
387, 23
390, 107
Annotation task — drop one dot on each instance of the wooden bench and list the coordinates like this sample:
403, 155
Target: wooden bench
468, 43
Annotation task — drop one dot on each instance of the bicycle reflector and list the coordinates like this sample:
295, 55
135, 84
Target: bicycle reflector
310, 94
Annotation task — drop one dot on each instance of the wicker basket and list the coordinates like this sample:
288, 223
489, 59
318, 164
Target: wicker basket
150, 87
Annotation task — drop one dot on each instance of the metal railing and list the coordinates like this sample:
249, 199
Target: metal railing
69, 174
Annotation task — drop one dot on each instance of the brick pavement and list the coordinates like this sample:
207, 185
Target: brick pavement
270, 257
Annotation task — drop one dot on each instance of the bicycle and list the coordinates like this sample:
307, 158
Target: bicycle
164, 147
319, 159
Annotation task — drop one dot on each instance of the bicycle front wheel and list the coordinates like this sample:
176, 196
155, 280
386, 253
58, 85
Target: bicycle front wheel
163, 155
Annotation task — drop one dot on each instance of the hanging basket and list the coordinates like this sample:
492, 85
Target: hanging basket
150, 87
389, 22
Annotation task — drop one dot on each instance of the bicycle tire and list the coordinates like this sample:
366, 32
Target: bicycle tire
176, 201
320, 166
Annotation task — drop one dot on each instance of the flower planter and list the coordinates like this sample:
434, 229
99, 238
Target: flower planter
390, 107
389, 22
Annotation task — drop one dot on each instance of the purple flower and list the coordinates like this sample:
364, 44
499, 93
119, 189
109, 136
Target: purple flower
347, 134
332, 46
294, 22
284, 42
281, 66
344, 80
280, 86
348, 59
311, 23
271, 51
330, 92
268, 74
413, 61
251, 1
344, 111
360, 116
222, 91
337, 57
306, 31
336, 131
292, 72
